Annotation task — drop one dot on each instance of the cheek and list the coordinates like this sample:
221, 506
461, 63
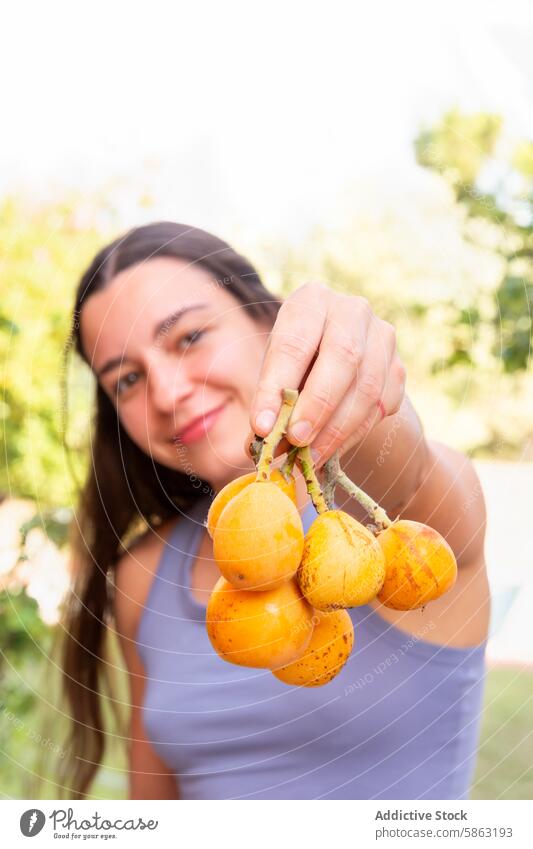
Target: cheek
235, 363
133, 418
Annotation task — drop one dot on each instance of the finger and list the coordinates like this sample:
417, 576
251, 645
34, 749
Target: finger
340, 354
389, 404
392, 404
394, 389
292, 344
364, 403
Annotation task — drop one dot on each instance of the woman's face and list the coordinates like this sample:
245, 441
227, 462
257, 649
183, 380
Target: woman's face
179, 358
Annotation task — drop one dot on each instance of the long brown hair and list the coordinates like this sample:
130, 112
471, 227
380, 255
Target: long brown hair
125, 487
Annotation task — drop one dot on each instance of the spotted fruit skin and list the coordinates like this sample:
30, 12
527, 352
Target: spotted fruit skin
420, 565
235, 486
264, 630
329, 649
259, 538
342, 564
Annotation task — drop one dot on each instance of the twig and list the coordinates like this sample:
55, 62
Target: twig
378, 513
270, 442
329, 482
313, 487
288, 465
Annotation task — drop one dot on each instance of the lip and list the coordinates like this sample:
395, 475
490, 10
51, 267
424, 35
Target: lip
198, 428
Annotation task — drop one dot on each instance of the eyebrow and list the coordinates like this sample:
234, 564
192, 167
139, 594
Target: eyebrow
165, 325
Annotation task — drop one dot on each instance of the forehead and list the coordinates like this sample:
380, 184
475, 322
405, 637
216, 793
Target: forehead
139, 297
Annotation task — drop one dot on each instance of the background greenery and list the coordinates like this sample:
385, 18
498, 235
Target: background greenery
453, 271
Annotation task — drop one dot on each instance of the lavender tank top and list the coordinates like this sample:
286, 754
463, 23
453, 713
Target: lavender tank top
401, 720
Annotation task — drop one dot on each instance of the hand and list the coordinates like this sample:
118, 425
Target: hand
344, 361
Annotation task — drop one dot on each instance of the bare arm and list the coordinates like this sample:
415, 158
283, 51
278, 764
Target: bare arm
422, 480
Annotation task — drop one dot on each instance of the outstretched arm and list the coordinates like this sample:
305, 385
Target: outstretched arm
423, 480
345, 363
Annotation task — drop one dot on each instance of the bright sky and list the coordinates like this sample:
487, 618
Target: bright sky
245, 114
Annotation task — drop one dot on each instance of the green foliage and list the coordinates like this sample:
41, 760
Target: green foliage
498, 189
513, 322
43, 252
504, 769
458, 148
34, 726
53, 523
24, 643
22, 631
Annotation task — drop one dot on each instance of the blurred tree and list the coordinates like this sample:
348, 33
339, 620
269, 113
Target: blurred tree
42, 253
494, 183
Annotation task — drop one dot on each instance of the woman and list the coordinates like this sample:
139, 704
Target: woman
190, 352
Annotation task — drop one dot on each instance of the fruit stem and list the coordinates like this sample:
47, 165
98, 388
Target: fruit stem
378, 513
329, 482
270, 442
311, 480
288, 465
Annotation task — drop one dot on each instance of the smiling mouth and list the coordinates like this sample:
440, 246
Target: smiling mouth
198, 429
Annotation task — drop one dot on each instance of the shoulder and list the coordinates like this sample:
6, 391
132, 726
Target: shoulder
134, 573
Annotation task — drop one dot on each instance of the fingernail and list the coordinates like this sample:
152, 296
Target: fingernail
265, 422
300, 431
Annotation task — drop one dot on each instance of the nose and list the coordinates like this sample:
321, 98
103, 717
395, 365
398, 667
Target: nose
168, 384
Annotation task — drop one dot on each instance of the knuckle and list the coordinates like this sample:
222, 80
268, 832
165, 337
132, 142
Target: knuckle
370, 387
400, 372
296, 348
313, 286
363, 305
287, 306
346, 350
266, 392
363, 429
333, 435
323, 399
389, 331
291, 301
308, 291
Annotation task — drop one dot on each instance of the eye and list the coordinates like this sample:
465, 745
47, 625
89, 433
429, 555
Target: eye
190, 338
126, 382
